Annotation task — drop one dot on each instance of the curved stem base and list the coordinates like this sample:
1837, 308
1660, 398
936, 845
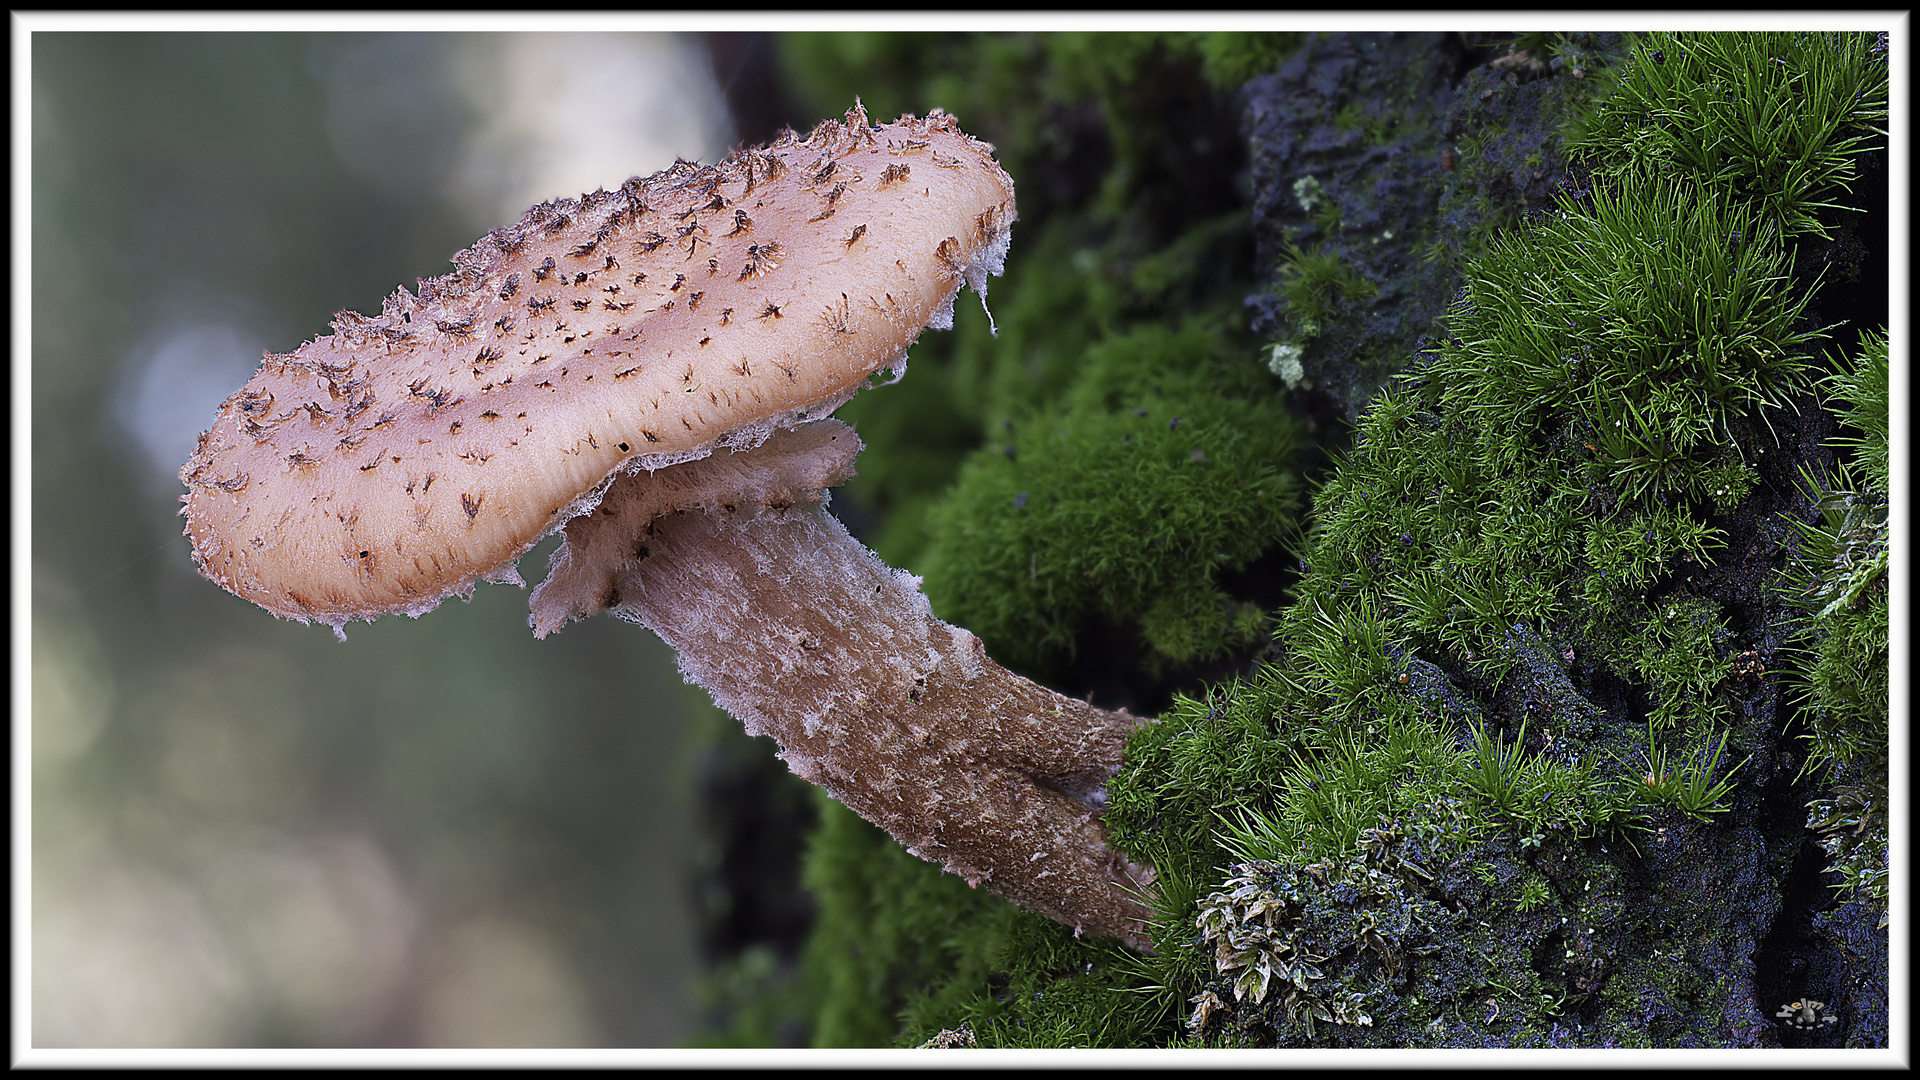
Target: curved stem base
804, 635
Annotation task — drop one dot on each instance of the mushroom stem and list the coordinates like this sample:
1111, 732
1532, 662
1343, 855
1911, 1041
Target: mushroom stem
804, 635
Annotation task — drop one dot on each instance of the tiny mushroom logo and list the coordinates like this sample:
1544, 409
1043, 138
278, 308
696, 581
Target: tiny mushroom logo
1807, 1013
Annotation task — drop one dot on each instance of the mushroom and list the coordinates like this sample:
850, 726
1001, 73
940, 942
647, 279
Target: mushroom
648, 369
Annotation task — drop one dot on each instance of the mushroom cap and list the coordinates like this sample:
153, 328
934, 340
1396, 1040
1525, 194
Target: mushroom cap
409, 455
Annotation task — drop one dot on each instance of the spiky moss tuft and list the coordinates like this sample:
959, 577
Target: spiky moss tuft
1777, 119
1839, 580
1559, 458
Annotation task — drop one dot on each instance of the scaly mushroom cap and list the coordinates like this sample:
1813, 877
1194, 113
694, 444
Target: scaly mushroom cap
406, 456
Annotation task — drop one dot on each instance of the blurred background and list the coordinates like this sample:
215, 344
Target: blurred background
244, 832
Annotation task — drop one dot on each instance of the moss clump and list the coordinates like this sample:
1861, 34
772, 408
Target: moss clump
901, 955
1159, 468
1315, 284
1839, 580
1601, 309
1552, 461
1777, 119
889, 933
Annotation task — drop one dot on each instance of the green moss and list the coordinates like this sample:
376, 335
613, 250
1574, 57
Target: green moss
1315, 283
1556, 456
1839, 580
1688, 784
1537, 493
1159, 468
1204, 760
1777, 118
903, 952
891, 931
1602, 310
758, 1001
1231, 58
1049, 989
1859, 391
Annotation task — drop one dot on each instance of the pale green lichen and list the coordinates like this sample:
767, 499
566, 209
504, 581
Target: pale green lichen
1283, 360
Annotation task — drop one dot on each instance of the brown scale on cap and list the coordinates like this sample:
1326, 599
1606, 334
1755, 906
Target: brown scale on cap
410, 454
647, 368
